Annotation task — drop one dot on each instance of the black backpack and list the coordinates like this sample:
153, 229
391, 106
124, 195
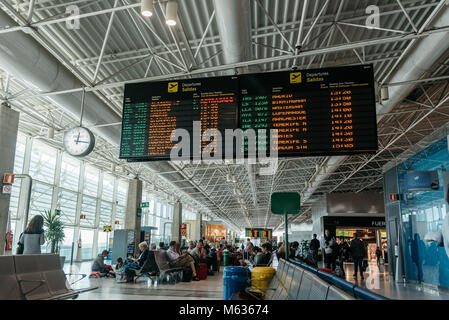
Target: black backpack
130, 274
187, 275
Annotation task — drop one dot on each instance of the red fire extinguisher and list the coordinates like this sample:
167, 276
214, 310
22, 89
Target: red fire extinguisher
9, 240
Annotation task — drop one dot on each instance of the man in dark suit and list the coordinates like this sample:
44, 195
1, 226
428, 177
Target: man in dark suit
357, 249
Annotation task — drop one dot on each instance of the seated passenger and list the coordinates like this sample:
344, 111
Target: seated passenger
161, 246
247, 255
135, 264
281, 251
99, 265
200, 255
177, 260
153, 247
191, 247
293, 250
263, 258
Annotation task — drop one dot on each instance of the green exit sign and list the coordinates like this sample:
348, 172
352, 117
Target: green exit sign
145, 204
58, 212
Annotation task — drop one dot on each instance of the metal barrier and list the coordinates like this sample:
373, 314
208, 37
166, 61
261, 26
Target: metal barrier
357, 291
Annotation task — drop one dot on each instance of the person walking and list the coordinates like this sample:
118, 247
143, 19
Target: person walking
329, 250
314, 246
33, 236
378, 255
357, 249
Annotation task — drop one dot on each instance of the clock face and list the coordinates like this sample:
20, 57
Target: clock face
79, 141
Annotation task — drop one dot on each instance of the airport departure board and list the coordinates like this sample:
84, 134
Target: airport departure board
153, 110
258, 233
316, 112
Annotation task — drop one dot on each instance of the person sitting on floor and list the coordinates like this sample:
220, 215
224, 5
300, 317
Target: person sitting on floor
119, 263
99, 266
184, 260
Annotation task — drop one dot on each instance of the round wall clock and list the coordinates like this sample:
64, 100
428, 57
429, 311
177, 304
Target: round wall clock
79, 141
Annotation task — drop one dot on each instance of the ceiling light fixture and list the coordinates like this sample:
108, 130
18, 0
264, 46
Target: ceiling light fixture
171, 13
146, 8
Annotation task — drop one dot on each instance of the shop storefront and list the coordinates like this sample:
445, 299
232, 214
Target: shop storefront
371, 230
215, 232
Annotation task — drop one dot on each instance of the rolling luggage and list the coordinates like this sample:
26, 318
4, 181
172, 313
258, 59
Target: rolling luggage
202, 271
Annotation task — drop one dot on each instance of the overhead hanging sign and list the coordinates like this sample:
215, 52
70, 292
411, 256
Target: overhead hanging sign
318, 112
145, 204
285, 203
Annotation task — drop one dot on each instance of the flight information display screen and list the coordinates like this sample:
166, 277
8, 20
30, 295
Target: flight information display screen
153, 110
315, 112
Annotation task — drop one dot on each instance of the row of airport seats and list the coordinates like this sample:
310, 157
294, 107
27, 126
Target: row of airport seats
34, 277
296, 281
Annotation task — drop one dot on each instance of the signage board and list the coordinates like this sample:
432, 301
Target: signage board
6, 189
145, 204
317, 112
8, 178
285, 203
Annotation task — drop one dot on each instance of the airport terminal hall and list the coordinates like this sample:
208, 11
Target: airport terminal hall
219, 156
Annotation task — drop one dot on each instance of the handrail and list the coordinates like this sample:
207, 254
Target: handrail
357, 291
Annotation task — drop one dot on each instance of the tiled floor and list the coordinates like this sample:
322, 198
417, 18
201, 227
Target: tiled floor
378, 281
212, 288
145, 289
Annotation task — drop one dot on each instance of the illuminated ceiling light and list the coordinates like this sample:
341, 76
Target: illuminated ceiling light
171, 13
146, 8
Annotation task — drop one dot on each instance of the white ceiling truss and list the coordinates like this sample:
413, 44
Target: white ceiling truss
116, 45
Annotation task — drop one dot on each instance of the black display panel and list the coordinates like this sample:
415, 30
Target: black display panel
316, 112
153, 110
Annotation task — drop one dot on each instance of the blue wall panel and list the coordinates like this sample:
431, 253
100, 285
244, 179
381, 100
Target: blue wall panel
422, 215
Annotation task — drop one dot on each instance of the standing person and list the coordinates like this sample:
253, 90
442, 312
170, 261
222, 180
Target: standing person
343, 253
33, 236
329, 250
357, 249
378, 255
314, 246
